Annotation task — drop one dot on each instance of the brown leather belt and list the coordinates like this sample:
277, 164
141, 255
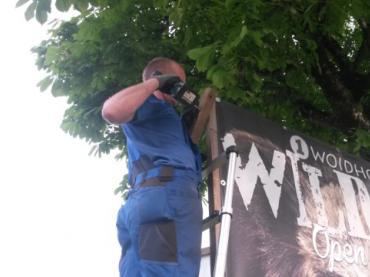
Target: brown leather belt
165, 175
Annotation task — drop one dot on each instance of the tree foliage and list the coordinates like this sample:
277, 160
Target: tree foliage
302, 63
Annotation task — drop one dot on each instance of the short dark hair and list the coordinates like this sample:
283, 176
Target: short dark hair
156, 64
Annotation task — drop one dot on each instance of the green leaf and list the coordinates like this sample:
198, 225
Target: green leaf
42, 9
119, 190
57, 89
218, 76
160, 3
63, 5
81, 5
362, 139
21, 2
177, 15
235, 93
44, 5
204, 56
51, 55
41, 16
126, 4
255, 81
30, 11
45, 83
256, 36
235, 42
88, 32
93, 150
229, 4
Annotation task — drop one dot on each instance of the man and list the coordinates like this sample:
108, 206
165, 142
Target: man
159, 227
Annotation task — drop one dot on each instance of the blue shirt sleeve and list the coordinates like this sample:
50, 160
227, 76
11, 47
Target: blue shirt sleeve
152, 107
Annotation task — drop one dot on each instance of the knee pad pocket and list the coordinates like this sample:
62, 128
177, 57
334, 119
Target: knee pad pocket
157, 241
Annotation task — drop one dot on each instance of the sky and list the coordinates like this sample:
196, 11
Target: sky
57, 203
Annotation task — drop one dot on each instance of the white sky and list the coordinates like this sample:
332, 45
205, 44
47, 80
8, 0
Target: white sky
57, 206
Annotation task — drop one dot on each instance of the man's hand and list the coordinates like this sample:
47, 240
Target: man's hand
166, 82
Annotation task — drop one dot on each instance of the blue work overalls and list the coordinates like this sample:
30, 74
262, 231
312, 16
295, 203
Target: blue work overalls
159, 226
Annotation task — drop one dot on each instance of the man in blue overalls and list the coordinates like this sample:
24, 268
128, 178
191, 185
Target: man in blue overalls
159, 227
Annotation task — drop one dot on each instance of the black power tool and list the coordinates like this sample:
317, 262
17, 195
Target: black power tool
174, 86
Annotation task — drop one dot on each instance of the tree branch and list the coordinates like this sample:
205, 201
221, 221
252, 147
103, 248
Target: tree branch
334, 48
336, 93
357, 83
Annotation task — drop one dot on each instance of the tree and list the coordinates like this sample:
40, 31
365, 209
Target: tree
302, 63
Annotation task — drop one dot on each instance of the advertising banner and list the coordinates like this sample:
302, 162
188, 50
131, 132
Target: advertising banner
300, 207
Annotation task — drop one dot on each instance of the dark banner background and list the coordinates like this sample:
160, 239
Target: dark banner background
264, 245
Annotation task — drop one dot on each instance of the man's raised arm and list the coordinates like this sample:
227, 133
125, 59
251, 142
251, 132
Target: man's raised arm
121, 107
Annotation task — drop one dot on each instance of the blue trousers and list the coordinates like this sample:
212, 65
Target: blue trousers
159, 229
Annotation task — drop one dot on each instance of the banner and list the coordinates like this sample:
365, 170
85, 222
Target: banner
300, 207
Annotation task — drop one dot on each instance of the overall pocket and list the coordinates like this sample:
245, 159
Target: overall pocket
157, 241
152, 204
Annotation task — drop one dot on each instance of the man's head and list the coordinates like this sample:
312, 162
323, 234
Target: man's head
164, 66
161, 65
